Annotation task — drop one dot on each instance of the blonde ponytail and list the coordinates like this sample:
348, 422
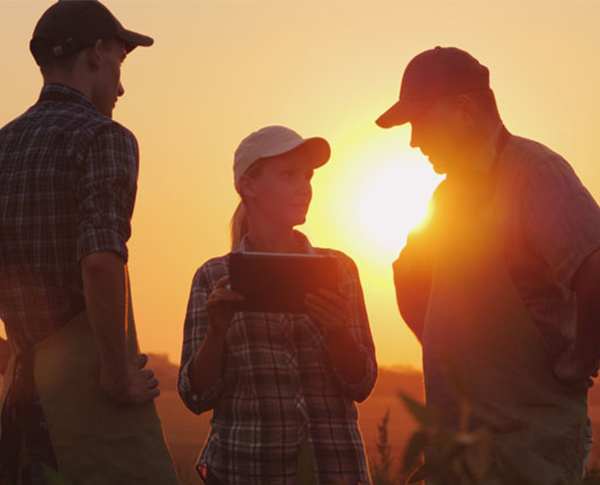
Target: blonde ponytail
239, 225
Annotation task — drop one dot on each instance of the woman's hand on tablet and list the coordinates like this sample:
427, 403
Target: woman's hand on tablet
328, 309
221, 305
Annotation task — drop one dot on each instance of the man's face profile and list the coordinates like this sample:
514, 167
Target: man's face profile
111, 54
439, 131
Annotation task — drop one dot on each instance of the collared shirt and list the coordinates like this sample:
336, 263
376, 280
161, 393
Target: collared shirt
548, 222
279, 387
69, 177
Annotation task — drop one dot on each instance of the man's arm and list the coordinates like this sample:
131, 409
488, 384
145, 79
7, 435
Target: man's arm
105, 290
413, 268
562, 223
579, 362
412, 281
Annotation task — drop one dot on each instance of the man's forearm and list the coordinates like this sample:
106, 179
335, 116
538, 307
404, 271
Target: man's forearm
412, 282
105, 289
587, 342
587, 290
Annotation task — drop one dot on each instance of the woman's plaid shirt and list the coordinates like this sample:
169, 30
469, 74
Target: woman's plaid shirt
69, 178
279, 388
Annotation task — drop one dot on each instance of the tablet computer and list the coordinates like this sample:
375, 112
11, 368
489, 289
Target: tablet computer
278, 282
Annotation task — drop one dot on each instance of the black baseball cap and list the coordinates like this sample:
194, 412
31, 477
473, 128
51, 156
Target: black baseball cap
71, 25
432, 74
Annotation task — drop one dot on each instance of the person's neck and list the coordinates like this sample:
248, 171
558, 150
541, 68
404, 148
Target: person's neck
476, 151
270, 238
481, 138
71, 81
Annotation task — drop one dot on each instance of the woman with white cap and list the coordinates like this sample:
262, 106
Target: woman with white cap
282, 386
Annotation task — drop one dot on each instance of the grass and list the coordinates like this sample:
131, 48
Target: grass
456, 463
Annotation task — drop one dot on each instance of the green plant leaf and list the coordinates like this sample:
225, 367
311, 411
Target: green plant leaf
419, 411
421, 474
413, 452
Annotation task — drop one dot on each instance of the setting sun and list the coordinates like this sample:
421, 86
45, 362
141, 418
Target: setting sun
392, 201
228, 68
374, 193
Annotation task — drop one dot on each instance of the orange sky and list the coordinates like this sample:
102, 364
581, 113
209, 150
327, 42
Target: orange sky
221, 69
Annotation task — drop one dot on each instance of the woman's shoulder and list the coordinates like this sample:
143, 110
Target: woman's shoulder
345, 261
211, 271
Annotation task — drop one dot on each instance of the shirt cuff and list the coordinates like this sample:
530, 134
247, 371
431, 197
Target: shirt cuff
99, 240
359, 390
197, 402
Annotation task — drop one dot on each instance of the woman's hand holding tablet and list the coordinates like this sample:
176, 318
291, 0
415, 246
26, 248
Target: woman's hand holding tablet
328, 309
221, 305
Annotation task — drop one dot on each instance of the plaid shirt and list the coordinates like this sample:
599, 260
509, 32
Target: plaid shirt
68, 176
279, 387
548, 225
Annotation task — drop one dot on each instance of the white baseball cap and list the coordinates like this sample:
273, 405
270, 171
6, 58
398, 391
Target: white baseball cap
271, 141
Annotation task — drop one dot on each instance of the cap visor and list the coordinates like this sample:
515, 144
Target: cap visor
133, 39
398, 114
319, 149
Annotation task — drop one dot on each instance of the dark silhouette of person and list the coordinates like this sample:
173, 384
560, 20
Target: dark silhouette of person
501, 285
76, 397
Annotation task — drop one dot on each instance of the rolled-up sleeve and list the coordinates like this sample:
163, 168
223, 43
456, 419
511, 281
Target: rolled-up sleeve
194, 332
106, 191
360, 330
562, 218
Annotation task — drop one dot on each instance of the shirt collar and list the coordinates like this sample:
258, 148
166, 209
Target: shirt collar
304, 246
484, 161
62, 92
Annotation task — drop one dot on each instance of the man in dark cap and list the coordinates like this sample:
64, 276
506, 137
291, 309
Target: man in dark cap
501, 285
77, 399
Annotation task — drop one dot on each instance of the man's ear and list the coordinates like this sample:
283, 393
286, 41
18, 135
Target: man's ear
467, 111
95, 54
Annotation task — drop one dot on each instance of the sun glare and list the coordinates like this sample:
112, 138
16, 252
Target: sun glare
392, 201
374, 191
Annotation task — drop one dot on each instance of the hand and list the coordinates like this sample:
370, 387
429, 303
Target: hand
328, 309
221, 305
570, 369
141, 385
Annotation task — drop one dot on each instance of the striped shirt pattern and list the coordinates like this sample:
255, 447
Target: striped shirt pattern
279, 388
550, 224
69, 178
547, 220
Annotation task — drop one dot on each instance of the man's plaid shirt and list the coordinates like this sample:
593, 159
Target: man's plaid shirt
68, 179
279, 388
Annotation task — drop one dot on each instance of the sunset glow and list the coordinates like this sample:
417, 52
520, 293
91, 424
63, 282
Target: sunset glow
219, 70
389, 187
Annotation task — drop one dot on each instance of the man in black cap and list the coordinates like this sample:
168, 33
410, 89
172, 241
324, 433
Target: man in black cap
501, 285
76, 399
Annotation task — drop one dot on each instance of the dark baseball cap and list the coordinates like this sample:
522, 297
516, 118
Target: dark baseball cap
438, 72
71, 25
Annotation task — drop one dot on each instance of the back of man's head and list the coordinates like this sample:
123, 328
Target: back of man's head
69, 26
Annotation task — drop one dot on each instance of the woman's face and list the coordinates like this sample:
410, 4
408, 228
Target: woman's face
281, 191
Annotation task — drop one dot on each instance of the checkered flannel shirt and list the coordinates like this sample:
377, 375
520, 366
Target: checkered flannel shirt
279, 387
69, 178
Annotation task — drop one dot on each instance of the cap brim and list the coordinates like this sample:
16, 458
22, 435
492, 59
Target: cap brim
133, 39
399, 114
319, 149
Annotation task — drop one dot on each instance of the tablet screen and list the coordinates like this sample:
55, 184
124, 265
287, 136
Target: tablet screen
277, 282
